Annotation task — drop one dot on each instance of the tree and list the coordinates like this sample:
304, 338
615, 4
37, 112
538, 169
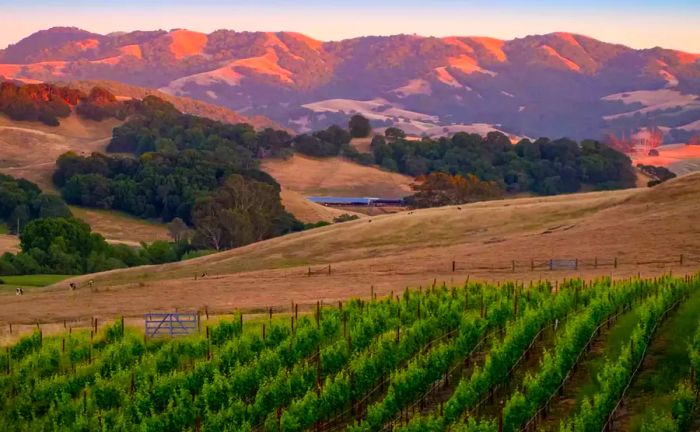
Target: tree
178, 230
394, 133
440, 189
359, 126
241, 211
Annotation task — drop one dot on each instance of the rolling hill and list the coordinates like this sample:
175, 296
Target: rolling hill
557, 84
390, 252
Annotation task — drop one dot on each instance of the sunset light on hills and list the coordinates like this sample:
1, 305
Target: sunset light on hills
356, 216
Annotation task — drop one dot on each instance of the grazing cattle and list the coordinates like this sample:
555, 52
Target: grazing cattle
73, 286
19, 291
459, 208
203, 275
91, 283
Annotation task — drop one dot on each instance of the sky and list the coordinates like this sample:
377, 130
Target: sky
639, 24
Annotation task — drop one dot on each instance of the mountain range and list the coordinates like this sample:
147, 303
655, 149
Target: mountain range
557, 84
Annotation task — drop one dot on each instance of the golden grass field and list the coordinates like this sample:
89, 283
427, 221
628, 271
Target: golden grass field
308, 211
30, 149
119, 227
391, 252
8, 243
336, 177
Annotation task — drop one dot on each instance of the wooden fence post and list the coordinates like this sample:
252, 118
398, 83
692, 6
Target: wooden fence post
329, 269
453, 266
500, 417
615, 264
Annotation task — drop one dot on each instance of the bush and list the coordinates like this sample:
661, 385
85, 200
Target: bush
345, 217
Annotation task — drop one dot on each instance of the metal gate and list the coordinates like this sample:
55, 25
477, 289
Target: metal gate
171, 324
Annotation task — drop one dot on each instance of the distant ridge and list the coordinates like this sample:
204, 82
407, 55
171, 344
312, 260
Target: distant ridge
557, 84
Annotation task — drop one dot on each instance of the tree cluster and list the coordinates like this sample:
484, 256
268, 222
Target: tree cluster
198, 170
37, 102
59, 245
439, 189
21, 201
545, 166
47, 103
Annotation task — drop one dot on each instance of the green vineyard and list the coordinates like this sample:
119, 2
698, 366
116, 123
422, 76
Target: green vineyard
477, 357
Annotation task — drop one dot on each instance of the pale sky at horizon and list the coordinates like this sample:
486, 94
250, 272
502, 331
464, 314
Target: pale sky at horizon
639, 24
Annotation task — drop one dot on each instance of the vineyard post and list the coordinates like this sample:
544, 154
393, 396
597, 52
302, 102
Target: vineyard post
10, 328
206, 312
63, 345
240, 321
64, 323
595, 263
318, 314
532, 264
309, 273
500, 416
615, 262
291, 323
9, 358
513, 264
122, 323
296, 312
345, 325
576, 264
681, 260
453, 266
270, 313
207, 331
371, 292
263, 331
329, 269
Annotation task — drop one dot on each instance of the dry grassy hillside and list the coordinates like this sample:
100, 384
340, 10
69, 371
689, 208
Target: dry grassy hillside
184, 104
336, 176
393, 251
8, 243
30, 149
119, 227
308, 211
